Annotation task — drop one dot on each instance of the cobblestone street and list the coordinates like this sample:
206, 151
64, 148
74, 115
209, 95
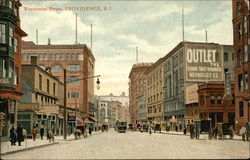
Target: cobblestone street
113, 145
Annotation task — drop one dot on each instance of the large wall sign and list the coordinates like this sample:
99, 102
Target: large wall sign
204, 63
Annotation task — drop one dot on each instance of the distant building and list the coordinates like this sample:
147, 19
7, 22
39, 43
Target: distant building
105, 112
137, 82
241, 37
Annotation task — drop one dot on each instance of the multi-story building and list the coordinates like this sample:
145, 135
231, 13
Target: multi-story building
10, 63
242, 61
42, 103
78, 61
187, 64
154, 94
115, 111
105, 112
137, 83
142, 109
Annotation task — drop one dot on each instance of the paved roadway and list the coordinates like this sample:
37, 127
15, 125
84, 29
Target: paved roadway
136, 145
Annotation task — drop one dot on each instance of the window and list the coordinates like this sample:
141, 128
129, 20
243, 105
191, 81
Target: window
11, 4
73, 95
15, 45
238, 9
57, 57
212, 101
245, 24
239, 31
11, 69
241, 109
40, 82
62, 57
219, 99
240, 82
239, 58
233, 101
16, 76
74, 67
246, 80
2, 2
52, 57
15, 11
73, 79
73, 57
40, 57
246, 53
54, 88
69, 57
2, 33
57, 68
232, 56
24, 57
11, 37
47, 85
4, 68
225, 56
45, 57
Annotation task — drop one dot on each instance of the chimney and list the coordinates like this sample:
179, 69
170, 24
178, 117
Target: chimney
34, 60
49, 41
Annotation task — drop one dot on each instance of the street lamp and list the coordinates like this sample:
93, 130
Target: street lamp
65, 99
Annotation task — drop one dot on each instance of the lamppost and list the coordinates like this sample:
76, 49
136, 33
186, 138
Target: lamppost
65, 99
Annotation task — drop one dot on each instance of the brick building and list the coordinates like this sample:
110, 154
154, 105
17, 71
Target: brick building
79, 63
10, 63
208, 101
242, 61
137, 79
154, 91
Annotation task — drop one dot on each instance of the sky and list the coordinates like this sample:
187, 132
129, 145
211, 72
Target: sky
121, 25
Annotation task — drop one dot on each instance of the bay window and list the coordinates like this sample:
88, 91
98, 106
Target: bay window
2, 33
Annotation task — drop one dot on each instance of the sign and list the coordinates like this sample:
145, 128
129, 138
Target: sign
228, 91
192, 94
204, 63
28, 107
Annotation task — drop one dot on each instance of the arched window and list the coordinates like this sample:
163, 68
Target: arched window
212, 99
219, 101
245, 24
246, 80
246, 53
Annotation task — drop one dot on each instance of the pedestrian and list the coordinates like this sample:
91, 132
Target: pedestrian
41, 132
90, 130
13, 136
150, 128
50, 136
184, 130
34, 132
20, 137
176, 128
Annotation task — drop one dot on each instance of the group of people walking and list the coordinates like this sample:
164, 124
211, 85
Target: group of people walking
16, 135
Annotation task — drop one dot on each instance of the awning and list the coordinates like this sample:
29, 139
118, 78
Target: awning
87, 121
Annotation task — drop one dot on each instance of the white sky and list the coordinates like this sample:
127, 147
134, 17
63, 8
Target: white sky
153, 26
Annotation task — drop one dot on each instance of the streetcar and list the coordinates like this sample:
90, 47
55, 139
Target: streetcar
121, 126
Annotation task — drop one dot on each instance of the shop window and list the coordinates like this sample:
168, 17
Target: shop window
246, 80
241, 109
212, 99
219, 99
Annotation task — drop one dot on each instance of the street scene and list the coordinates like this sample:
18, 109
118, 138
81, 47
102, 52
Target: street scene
124, 79
113, 145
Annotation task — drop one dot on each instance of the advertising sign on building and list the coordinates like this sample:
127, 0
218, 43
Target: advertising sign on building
228, 91
28, 107
192, 94
204, 63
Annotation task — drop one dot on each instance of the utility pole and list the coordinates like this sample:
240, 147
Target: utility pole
64, 109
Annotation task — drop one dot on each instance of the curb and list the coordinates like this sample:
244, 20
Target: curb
28, 148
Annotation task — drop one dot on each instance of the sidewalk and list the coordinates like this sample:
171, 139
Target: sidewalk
28, 144
202, 136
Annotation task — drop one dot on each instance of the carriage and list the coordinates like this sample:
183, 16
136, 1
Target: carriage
225, 129
199, 127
